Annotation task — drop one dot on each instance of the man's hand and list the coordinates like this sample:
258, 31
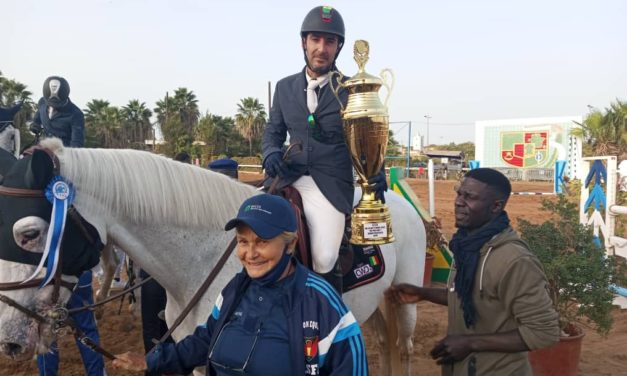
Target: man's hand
403, 293
451, 349
130, 362
274, 165
379, 185
35, 128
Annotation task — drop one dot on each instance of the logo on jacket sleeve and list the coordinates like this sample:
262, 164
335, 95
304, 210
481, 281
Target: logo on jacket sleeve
311, 348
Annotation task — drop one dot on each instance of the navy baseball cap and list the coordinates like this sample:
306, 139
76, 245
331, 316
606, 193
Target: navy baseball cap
267, 215
224, 163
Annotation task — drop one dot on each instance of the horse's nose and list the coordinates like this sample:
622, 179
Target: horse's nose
11, 349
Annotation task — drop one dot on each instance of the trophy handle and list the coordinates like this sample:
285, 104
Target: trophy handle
388, 81
335, 89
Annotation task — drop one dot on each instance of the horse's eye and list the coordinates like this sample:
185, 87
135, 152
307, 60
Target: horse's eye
31, 234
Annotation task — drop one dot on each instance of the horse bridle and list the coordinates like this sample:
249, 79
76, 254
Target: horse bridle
58, 316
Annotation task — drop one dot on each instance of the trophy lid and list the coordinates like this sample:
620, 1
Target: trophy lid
361, 51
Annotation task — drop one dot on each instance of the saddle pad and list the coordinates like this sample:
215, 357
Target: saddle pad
367, 266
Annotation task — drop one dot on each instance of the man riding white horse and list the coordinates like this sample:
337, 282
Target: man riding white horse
58, 117
321, 171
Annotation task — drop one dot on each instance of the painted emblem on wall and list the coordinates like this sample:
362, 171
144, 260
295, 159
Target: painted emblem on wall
524, 149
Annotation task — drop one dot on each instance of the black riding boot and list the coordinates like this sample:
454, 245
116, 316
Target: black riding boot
334, 277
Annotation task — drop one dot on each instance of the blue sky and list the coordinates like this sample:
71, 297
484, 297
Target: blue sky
458, 61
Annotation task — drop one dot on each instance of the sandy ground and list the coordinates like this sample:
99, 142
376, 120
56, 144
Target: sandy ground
600, 356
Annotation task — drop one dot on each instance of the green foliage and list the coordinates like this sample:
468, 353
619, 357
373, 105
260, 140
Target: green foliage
393, 147
221, 137
605, 132
12, 91
251, 121
578, 271
467, 147
178, 117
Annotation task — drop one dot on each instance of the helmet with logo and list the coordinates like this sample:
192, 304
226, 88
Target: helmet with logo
323, 19
56, 91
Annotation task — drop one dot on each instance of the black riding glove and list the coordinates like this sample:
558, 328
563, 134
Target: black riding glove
274, 165
35, 128
379, 185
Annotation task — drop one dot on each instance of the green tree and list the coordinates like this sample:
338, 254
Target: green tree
250, 120
103, 123
467, 147
393, 147
187, 106
178, 117
136, 119
605, 132
12, 91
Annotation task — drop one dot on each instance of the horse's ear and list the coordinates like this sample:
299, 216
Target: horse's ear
40, 170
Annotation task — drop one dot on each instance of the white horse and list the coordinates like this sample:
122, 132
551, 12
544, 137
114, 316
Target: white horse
169, 217
10, 140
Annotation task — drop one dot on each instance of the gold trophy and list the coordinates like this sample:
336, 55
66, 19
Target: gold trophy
366, 128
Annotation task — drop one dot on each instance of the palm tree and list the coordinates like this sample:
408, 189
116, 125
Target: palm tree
178, 118
218, 134
136, 116
12, 91
250, 120
104, 121
605, 133
187, 105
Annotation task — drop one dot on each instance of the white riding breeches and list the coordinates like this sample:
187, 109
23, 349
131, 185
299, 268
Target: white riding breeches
325, 223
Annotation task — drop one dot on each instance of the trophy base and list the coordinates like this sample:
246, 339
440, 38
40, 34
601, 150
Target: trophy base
371, 224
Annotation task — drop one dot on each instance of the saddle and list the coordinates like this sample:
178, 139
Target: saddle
360, 265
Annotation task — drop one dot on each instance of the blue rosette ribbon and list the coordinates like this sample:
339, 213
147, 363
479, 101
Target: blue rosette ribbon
61, 194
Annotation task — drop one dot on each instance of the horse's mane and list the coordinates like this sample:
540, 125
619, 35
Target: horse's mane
146, 188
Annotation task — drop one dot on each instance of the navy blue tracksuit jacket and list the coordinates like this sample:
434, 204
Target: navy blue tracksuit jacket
313, 310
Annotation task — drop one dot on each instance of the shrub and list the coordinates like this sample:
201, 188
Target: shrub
578, 271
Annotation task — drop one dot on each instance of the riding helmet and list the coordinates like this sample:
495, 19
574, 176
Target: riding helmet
56, 91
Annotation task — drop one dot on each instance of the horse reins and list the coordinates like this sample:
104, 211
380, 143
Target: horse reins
58, 317
219, 265
65, 320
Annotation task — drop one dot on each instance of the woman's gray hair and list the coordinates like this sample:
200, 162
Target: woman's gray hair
288, 236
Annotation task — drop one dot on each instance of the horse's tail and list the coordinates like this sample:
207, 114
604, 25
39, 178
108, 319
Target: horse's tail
391, 318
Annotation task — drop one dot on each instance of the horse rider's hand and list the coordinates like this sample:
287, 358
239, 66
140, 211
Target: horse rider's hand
35, 128
451, 349
274, 165
130, 361
403, 293
379, 185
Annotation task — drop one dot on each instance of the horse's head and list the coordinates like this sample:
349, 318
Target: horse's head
24, 222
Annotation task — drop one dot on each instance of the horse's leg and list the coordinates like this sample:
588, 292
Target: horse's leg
377, 324
108, 263
390, 349
406, 316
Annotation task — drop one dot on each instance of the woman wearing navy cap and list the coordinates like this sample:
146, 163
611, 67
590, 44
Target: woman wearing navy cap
275, 317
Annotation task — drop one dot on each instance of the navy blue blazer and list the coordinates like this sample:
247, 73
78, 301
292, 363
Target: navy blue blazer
324, 154
68, 123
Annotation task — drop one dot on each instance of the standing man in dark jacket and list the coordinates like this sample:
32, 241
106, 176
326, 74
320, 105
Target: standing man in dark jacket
61, 118
498, 303
321, 170
57, 116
